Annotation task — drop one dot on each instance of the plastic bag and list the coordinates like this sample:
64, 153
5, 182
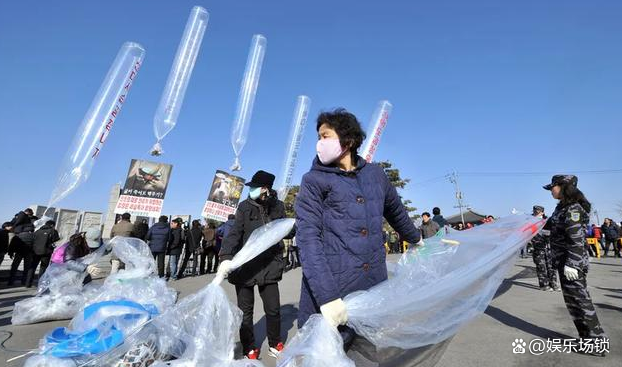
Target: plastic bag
434, 290
299, 121
61, 293
376, 127
246, 98
173, 95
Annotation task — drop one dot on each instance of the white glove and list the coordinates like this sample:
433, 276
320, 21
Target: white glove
93, 270
335, 312
571, 273
224, 268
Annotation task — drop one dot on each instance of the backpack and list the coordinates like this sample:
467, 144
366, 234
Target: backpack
58, 256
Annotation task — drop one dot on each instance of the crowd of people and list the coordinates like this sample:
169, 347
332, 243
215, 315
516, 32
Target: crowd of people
339, 241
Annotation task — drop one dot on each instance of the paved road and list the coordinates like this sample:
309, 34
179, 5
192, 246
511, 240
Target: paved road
519, 311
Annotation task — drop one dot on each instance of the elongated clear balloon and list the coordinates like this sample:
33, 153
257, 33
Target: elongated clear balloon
376, 127
172, 98
299, 121
98, 121
246, 98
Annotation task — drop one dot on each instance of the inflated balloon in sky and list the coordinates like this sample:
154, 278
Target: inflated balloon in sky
299, 122
376, 127
246, 98
98, 121
173, 95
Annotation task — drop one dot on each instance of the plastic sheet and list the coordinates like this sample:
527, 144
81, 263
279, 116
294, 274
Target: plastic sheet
299, 121
60, 295
446, 286
376, 127
246, 98
173, 96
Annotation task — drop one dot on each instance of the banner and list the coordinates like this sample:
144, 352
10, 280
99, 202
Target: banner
224, 196
144, 189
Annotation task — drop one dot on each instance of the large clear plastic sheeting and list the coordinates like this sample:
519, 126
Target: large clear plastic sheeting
299, 121
376, 127
200, 330
173, 96
246, 98
97, 123
317, 344
61, 293
138, 281
434, 291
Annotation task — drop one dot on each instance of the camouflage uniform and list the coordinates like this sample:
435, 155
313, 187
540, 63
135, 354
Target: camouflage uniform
542, 257
568, 248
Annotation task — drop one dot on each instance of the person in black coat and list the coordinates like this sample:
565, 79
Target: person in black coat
158, 237
175, 245
141, 228
45, 237
20, 247
265, 271
193, 244
4, 240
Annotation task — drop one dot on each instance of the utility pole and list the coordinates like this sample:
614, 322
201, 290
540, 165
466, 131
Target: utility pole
453, 178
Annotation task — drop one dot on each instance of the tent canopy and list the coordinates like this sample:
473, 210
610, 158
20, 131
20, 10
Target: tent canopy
469, 217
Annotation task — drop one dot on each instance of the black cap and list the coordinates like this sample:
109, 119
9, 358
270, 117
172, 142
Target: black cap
538, 208
262, 179
560, 180
178, 221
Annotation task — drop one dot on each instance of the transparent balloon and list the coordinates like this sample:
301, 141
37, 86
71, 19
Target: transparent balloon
434, 291
376, 127
299, 121
173, 95
246, 98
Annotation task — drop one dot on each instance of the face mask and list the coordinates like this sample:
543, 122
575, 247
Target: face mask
328, 150
255, 193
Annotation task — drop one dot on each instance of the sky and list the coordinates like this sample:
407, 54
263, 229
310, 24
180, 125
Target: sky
504, 93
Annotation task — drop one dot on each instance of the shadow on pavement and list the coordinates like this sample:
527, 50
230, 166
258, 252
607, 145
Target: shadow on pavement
518, 323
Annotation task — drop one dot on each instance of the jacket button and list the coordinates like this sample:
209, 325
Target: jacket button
360, 199
365, 267
364, 232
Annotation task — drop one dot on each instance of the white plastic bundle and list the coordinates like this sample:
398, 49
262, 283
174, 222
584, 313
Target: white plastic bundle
60, 295
435, 290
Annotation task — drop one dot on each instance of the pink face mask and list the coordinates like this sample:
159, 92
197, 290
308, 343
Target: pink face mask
328, 150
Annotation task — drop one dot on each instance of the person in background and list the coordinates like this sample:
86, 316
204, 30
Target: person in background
76, 249
428, 227
158, 237
122, 228
438, 218
209, 249
293, 255
598, 234
340, 209
45, 237
4, 240
175, 245
264, 271
612, 233
547, 277
221, 233
460, 227
567, 225
193, 237
20, 247
93, 238
140, 229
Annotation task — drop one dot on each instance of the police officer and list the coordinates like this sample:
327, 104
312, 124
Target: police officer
567, 225
542, 256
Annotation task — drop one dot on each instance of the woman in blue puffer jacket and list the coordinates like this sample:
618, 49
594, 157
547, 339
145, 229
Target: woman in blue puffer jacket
339, 211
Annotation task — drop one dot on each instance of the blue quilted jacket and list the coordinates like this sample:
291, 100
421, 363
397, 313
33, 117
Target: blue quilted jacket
339, 217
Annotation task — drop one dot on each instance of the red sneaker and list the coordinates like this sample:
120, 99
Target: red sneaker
253, 354
276, 350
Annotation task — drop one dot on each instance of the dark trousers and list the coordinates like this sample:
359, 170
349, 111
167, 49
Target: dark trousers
272, 308
184, 263
160, 257
547, 274
17, 259
44, 260
293, 258
580, 306
614, 244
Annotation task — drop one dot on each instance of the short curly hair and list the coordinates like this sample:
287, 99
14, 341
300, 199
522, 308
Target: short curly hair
346, 125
